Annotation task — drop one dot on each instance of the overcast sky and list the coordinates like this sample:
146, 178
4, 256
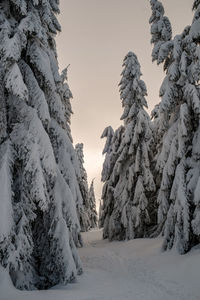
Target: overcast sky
96, 35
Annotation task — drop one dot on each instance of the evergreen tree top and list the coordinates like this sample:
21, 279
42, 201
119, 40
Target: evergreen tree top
158, 10
79, 149
92, 186
132, 88
160, 21
108, 133
80, 156
161, 32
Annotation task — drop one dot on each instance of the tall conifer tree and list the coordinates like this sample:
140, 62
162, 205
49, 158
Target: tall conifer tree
92, 202
132, 180
179, 122
38, 165
83, 183
113, 141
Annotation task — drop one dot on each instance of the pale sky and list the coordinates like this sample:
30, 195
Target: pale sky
95, 37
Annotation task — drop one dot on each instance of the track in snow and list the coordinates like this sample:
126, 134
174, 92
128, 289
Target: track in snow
133, 270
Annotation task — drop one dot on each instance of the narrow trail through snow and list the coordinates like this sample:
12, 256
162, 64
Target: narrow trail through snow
133, 270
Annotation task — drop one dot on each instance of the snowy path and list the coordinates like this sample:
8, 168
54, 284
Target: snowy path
134, 270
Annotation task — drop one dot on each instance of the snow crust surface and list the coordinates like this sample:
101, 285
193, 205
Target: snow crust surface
132, 270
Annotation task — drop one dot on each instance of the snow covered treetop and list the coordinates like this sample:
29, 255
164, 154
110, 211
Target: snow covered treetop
79, 151
161, 32
161, 25
132, 88
158, 10
108, 133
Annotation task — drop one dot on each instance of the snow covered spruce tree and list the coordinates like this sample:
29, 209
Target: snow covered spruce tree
85, 222
133, 212
38, 166
92, 203
113, 141
177, 158
100, 223
108, 133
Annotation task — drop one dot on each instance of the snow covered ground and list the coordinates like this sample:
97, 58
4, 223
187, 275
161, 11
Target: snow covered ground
133, 270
